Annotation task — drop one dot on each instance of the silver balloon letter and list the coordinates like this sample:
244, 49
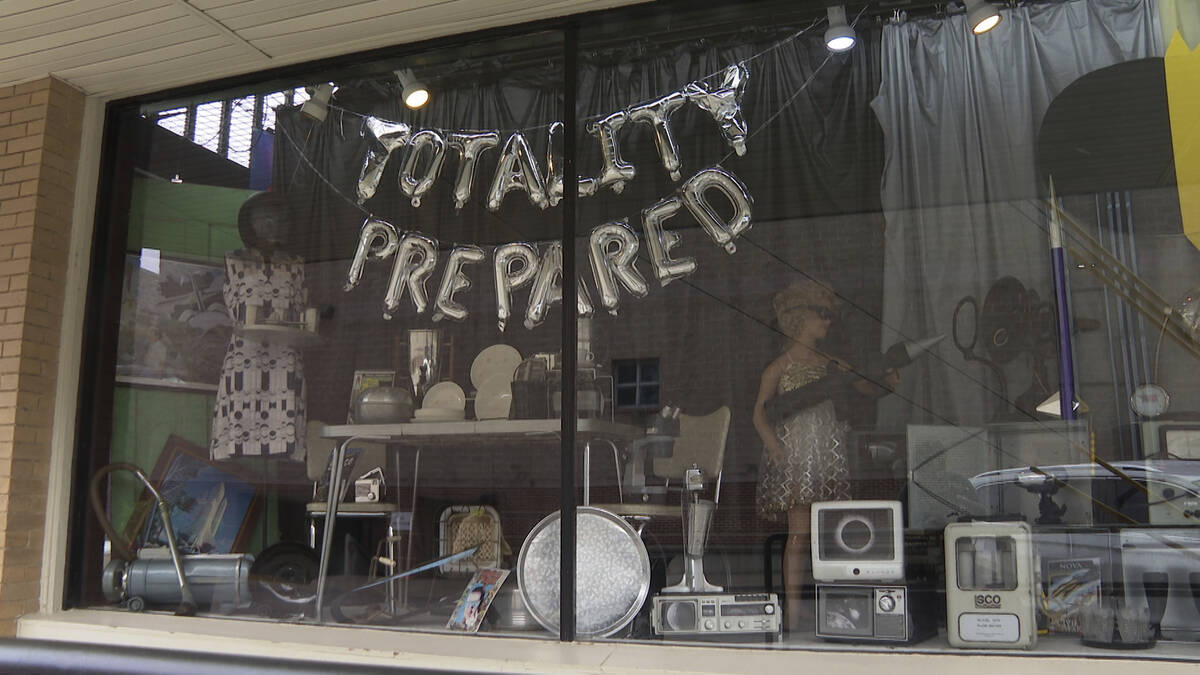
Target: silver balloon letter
415, 259
724, 103
616, 171
612, 250
662, 241
371, 248
722, 232
547, 287
517, 170
515, 265
387, 137
658, 115
469, 146
554, 176
416, 186
453, 281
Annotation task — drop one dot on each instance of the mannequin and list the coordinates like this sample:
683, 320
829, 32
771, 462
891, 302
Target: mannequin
260, 407
804, 440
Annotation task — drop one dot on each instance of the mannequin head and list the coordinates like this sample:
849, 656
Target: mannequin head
263, 222
805, 310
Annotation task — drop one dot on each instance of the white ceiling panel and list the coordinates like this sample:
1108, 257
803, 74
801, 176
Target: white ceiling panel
118, 48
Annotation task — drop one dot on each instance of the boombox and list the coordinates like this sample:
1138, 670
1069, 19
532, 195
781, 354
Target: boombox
857, 541
699, 614
854, 613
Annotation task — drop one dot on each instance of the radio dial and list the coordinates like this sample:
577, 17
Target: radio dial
709, 625
887, 603
768, 609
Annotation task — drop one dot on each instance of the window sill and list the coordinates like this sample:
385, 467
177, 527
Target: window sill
349, 646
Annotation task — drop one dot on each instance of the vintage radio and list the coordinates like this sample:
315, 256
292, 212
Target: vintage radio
866, 613
701, 614
857, 541
991, 585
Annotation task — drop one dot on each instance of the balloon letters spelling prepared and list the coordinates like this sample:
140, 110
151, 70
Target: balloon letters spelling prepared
376, 241
514, 266
660, 242
695, 197
453, 281
415, 259
612, 251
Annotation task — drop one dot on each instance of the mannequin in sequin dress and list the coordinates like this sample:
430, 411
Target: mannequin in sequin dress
804, 442
260, 407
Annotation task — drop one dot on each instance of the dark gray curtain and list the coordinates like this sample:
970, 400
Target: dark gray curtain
961, 116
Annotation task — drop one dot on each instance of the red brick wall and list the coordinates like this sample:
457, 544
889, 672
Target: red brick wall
40, 127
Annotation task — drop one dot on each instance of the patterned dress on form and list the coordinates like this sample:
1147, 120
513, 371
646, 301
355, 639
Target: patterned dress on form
260, 407
814, 467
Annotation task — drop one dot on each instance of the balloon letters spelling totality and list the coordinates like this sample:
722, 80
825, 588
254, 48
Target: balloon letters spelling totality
554, 173
724, 103
376, 241
615, 171
469, 146
661, 242
414, 185
453, 281
415, 260
387, 137
514, 265
517, 170
695, 198
612, 250
658, 115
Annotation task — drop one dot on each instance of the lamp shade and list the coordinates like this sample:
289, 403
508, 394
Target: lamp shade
839, 37
981, 16
414, 92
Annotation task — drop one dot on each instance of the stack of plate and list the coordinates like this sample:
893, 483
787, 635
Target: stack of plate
444, 402
492, 375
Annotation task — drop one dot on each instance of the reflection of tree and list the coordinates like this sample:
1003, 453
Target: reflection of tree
174, 323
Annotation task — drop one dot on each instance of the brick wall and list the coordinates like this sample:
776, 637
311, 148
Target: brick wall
40, 126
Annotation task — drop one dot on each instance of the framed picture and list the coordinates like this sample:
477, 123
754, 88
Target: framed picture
213, 505
368, 379
174, 325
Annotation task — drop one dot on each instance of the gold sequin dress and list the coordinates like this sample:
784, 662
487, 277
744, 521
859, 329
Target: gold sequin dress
814, 467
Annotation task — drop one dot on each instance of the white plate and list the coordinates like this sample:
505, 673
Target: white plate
494, 398
446, 395
438, 415
498, 359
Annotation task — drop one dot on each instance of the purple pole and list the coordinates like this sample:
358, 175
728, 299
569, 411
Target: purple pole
1066, 356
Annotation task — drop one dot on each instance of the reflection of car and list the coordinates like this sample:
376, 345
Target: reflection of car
1156, 492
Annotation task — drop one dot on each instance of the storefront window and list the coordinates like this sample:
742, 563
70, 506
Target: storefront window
887, 345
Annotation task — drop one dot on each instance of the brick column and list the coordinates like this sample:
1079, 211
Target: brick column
40, 127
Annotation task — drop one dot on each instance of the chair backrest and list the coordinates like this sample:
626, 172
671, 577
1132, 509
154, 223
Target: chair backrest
317, 457
701, 442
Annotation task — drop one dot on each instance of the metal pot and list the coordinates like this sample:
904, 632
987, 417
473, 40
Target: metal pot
383, 405
508, 611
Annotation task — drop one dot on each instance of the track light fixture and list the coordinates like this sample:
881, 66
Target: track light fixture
839, 36
317, 105
414, 92
981, 16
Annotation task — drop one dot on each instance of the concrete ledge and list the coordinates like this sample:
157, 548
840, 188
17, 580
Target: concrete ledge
349, 646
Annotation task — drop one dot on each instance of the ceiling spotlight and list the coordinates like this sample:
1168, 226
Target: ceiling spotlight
981, 16
317, 105
415, 93
839, 36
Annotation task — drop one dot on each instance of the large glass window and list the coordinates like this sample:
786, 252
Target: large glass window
888, 345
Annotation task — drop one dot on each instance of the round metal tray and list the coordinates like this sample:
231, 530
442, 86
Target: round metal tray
612, 576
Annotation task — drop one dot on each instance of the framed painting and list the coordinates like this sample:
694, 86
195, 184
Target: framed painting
213, 506
175, 327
